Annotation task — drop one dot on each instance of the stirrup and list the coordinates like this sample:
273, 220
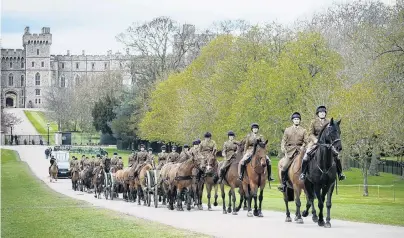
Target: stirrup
341, 176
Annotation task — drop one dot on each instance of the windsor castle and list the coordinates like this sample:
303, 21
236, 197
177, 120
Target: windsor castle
28, 73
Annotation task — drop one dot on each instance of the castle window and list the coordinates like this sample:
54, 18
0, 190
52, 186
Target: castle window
38, 92
22, 81
22, 65
39, 101
33, 64
105, 66
63, 65
62, 81
77, 65
93, 66
42, 64
11, 64
37, 51
37, 79
36, 101
77, 80
10, 80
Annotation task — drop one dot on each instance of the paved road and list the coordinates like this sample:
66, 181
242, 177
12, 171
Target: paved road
211, 222
25, 127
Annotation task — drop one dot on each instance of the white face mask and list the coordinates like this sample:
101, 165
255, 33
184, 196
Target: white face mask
163, 151
296, 121
142, 149
186, 149
195, 146
173, 150
321, 115
255, 130
207, 139
231, 137
150, 152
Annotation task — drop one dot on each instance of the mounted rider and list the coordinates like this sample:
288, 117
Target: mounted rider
173, 157
97, 160
250, 140
119, 164
294, 141
132, 158
207, 146
316, 127
228, 153
73, 164
52, 161
185, 154
114, 159
194, 151
162, 157
141, 159
150, 157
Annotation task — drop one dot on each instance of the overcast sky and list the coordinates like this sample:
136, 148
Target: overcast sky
92, 25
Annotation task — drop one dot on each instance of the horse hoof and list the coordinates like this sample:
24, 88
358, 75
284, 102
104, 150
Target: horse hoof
288, 219
215, 204
260, 214
299, 221
327, 225
320, 223
234, 213
209, 209
256, 213
315, 219
188, 208
305, 213
250, 214
224, 212
245, 208
200, 207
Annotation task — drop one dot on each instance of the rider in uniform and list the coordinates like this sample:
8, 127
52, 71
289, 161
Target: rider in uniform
114, 159
141, 159
132, 159
185, 154
250, 140
173, 157
119, 164
162, 157
207, 146
315, 128
52, 161
150, 157
228, 153
294, 141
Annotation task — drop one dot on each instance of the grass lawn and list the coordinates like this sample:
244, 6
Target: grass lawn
31, 209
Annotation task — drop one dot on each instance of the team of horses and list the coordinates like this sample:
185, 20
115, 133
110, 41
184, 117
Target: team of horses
181, 184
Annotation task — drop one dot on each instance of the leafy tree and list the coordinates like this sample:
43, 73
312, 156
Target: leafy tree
103, 114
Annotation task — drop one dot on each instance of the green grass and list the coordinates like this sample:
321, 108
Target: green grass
31, 209
349, 204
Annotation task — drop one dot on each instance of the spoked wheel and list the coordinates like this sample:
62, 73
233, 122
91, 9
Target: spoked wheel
156, 196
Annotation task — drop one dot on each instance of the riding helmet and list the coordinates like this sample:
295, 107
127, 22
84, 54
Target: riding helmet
198, 141
163, 147
186, 146
174, 147
255, 125
296, 115
321, 109
231, 133
142, 145
150, 149
195, 142
208, 135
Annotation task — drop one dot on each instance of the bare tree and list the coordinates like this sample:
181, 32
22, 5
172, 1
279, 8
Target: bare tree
8, 119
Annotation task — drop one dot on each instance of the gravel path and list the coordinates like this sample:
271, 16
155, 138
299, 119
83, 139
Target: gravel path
210, 222
25, 127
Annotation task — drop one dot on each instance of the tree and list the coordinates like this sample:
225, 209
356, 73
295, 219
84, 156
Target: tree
8, 119
59, 105
103, 114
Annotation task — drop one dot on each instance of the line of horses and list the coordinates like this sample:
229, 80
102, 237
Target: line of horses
178, 184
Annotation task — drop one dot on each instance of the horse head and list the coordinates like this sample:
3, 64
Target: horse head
330, 136
259, 154
210, 163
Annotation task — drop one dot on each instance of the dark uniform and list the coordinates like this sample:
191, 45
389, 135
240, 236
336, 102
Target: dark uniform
132, 159
173, 157
229, 153
162, 158
207, 146
141, 159
185, 154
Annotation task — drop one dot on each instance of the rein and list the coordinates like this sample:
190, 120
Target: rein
186, 177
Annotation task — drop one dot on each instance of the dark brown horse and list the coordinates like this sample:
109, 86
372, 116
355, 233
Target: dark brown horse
295, 188
209, 178
231, 180
256, 177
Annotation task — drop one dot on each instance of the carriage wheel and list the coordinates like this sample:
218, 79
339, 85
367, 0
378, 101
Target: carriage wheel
106, 193
156, 196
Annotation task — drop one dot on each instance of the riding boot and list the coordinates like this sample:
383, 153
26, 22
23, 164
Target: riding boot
304, 169
341, 175
242, 170
283, 177
269, 171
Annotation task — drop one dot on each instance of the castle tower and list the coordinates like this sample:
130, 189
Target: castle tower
38, 68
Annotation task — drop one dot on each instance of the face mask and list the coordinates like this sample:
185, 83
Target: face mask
321, 115
255, 130
150, 152
185, 149
141, 149
173, 150
296, 121
163, 151
195, 146
207, 139
231, 137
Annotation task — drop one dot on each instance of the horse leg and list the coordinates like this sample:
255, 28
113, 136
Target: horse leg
254, 191
260, 198
240, 192
200, 191
233, 197
138, 195
223, 198
247, 197
328, 204
298, 218
230, 194
188, 194
216, 196
179, 200
320, 205
286, 200
208, 191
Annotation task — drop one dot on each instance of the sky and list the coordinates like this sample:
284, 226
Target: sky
92, 25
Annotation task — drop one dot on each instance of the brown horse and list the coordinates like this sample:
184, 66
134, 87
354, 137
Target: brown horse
165, 185
231, 180
129, 191
140, 184
295, 188
256, 177
53, 172
209, 181
181, 177
75, 177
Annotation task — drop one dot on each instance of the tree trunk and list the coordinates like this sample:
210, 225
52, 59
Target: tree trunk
365, 178
373, 170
